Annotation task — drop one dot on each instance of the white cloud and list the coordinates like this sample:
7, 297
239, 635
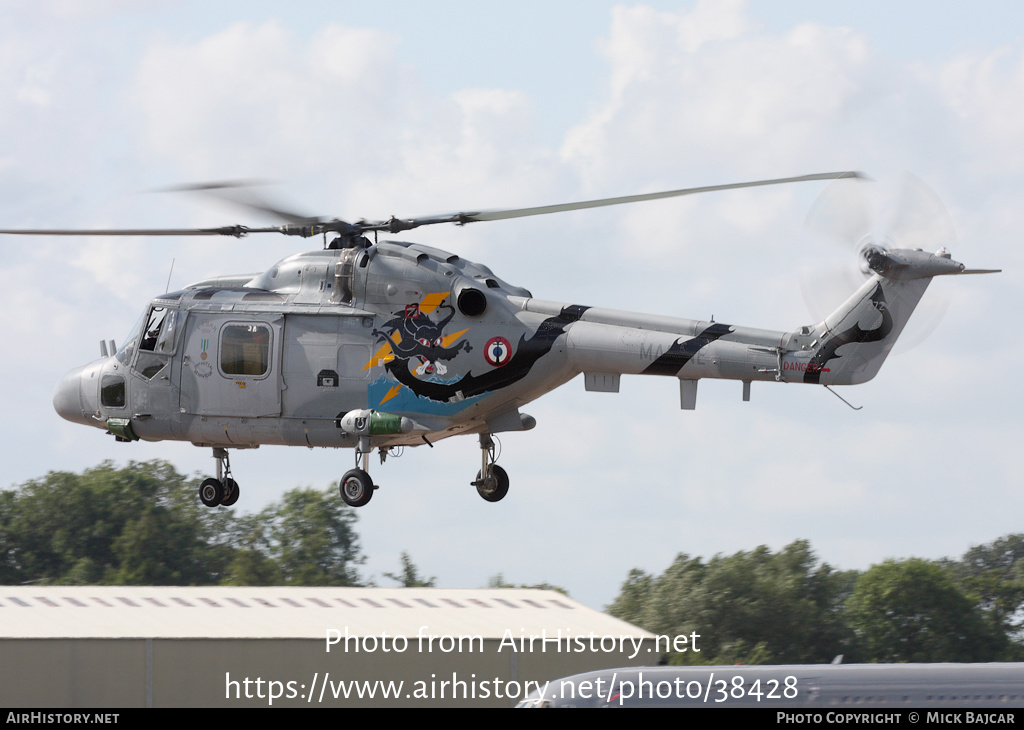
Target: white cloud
253, 97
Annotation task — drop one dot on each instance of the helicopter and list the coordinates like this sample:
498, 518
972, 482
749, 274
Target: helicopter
387, 344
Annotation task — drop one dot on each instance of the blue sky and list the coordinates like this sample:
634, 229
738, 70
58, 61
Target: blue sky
373, 109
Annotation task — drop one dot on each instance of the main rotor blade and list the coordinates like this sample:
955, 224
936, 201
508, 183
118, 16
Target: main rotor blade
313, 229
300, 225
239, 193
395, 225
237, 231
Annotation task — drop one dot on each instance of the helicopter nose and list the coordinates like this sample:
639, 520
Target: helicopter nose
75, 398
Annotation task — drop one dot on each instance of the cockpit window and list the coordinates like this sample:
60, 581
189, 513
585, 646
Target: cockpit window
165, 342
158, 335
152, 329
245, 349
124, 354
112, 391
155, 341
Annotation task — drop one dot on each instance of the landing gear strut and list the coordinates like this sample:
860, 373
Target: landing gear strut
491, 481
223, 490
356, 486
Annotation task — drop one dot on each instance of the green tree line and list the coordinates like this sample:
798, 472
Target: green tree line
786, 607
143, 525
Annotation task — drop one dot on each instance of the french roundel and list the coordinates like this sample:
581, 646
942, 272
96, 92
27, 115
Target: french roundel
497, 351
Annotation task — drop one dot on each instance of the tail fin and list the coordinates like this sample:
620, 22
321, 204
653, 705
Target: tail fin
853, 342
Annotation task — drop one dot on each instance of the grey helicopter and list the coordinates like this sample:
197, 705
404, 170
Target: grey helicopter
386, 344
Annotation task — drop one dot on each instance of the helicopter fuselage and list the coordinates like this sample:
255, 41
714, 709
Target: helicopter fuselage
399, 344
396, 344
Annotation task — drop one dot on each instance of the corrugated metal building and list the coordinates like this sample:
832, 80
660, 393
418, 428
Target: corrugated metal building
119, 646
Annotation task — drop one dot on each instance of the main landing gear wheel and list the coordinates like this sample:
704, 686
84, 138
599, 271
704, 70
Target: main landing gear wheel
230, 492
211, 492
494, 486
491, 481
356, 487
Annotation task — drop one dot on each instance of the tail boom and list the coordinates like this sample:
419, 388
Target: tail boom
846, 348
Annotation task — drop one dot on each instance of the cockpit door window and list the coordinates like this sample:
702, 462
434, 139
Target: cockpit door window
156, 341
158, 335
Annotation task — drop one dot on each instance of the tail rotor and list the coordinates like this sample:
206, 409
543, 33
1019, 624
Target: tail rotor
845, 214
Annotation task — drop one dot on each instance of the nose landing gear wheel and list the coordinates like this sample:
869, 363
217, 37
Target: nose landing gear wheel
230, 492
211, 492
494, 486
222, 489
356, 487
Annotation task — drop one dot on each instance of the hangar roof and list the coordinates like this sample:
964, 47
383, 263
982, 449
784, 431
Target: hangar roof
303, 613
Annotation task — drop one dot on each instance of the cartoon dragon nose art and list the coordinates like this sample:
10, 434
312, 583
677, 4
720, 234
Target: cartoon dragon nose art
414, 336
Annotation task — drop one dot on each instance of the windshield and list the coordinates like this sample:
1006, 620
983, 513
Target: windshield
127, 349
